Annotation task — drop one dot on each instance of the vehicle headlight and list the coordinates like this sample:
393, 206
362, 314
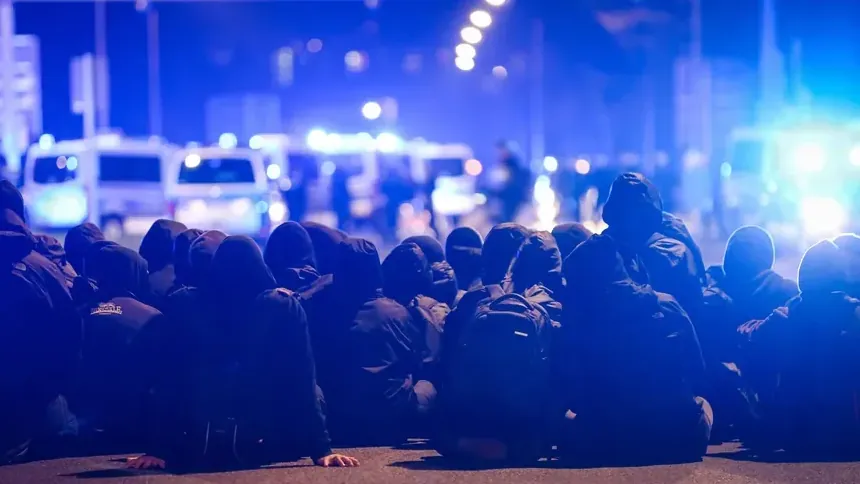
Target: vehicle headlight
810, 158
241, 206
63, 207
277, 212
822, 216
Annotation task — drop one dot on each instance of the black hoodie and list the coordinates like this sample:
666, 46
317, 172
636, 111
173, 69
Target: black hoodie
326, 241
157, 248
371, 354
444, 280
78, 239
181, 260
40, 332
463, 251
115, 363
570, 235
290, 256
500, 248
632, 354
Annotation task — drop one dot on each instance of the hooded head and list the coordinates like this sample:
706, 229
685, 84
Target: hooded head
181, 261
463, 251
238, 274
16, 241
568, 236
822, 270
634, 209
53, 250
11, 199
289, 247
406, 273
326, 241
358, 276
593, 268
157, 245
537, 262
118, 271
431, 247
200, 256
502, 244
749, 252
78, 239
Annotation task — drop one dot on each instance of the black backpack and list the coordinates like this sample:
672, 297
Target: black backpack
500, 383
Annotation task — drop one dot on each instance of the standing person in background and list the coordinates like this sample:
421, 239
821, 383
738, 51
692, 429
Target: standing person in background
514, 192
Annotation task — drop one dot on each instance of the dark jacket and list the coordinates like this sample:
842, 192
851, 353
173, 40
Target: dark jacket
181, 260
40, 334
52, 249
570, 235
371, 353
157, 248
78, 239
538, 262
290, 256
444, 280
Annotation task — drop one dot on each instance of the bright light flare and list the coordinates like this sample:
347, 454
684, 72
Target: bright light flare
473, 167
273, 172
582, 166
496, 3
471, 35
550, 164
810, 158
822, 216
387, 142
317, 139
228, 141
466, 50
371, 110
854, 156
47, 140
464, 63
192, 161
481, 19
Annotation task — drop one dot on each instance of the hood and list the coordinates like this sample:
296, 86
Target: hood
200, 256
238, 275
537, 262
289, 247
181, 260
51, 249
568, 236
749, 252
11, 199
431, 247
444, 288
463, 251
326, 242
822, 270
91, 252
406, 273
675, 228
78, 239
118, 271
634, 207
157, 245
358, 276
16, 241
501, 246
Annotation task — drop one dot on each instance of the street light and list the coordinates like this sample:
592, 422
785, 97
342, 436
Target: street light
496, 3
466, 50
465, 63
471, 35
371, 110
481, 19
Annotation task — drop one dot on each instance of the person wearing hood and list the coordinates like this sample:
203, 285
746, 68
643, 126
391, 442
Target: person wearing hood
157, 248
407, 279
290, 256
77, 241
326, 242
52, 249
568, 236
675, 228
181, 261
632, 364
370, 355
634, 213
501, 246
463, 251
802, 364
111, 380
253, 333
444, 287
40, 338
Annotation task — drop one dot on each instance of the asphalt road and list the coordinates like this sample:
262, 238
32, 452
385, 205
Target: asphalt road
725, 464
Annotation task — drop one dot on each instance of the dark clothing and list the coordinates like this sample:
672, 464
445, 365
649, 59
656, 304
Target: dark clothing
568, 236
849, 244
431, 247
371, 356
84, 287
51, 249
500, 248
40, 334
290, 256
463, 251
444, 287
325, 241
538, 262
675, 228
632, 359
200, 256
157, 248
181, 259
78, 239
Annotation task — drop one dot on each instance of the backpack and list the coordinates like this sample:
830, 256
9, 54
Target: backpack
500, 383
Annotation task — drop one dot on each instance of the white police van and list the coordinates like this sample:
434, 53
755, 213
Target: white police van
110, 180
223, 188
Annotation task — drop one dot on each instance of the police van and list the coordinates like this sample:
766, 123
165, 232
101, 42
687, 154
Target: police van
110, 180
218, 188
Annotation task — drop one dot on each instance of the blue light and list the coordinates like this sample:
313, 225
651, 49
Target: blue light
725, 170
273, 172
256, 142
317, 139
72, 163
228, 141
62, 206
46, 141
387, 142
810, 158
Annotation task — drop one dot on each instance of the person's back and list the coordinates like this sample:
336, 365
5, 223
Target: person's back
113, 379
635, 366
40, 333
